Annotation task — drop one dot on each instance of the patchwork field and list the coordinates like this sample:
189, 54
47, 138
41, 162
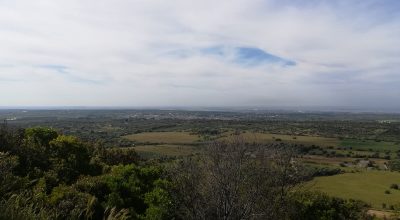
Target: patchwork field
164, 137
187, 138
353, 147
307, 140
368, 186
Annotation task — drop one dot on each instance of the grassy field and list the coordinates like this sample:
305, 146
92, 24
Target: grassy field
370, 145
187, 138
164, 137
368, 186
307, 140
165, 150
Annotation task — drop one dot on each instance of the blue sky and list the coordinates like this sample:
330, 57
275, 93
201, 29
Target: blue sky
200, 53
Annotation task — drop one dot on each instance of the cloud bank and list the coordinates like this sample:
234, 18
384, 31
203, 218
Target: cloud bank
200, 53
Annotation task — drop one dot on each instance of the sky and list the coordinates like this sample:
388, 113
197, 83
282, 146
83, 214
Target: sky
200, 53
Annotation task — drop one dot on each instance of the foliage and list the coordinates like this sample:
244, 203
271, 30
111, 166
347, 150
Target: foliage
21, 207
45, 175
316, 205
68, 158
315, 171
8, 181
116, 156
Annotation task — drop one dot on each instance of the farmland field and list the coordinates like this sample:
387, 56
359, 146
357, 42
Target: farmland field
307, 140
164, 137
368, 186
188, 138
359, 147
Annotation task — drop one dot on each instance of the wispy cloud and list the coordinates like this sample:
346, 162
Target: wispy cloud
66, 72
232, 52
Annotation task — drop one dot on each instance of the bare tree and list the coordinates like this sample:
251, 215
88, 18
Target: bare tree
236, 180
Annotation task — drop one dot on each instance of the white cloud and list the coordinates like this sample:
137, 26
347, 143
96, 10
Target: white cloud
117, 52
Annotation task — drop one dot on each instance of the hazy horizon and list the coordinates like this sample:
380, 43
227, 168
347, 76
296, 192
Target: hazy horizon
224, 54
308, 109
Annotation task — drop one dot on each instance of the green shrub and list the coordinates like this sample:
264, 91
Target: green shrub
317, 205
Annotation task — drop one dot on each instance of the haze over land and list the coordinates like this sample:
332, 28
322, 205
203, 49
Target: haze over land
200, 53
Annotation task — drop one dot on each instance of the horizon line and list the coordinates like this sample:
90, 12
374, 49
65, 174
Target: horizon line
308, 109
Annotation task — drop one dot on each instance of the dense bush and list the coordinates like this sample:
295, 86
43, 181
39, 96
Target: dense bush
44, 175
314, 171
315, 205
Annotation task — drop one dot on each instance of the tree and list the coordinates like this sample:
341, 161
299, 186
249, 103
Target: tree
8, 181
235, 180
40, 136
69, 158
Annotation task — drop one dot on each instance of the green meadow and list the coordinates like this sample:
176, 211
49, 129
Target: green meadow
368, 186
